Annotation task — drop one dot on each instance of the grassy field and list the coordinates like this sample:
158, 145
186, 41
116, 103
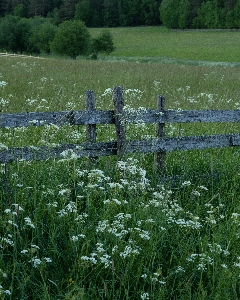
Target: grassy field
163, 45
118, 229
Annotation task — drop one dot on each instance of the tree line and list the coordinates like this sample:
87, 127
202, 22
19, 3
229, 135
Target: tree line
179, 14
207, 14
38, 35
60, 26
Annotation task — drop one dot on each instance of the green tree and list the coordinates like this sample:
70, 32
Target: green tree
237, 13
25, 28
103, 43
150, 10
130, 13
184, 20
10, 34
3, 7
46, 35
97, 17
84, 12
54, 16
32, 38
210, 15
67, 9
72, 39
111, 13
169, 13
20, 11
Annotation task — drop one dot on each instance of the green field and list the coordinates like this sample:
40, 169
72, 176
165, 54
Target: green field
160, 44
119, 230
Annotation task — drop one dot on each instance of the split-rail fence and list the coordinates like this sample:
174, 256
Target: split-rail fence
19, 55
92, 117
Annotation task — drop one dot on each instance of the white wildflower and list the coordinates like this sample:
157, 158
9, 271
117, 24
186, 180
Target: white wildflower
35, 246
24, 251
145, 296
186, 183
7, 292
29, 222
64, 191
36, 262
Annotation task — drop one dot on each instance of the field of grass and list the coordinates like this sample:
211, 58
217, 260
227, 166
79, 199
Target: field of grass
163, 45
117, 229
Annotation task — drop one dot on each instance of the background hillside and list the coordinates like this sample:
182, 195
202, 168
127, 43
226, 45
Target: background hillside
112, 13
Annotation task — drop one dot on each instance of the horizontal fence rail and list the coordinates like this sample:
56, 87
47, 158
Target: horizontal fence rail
85, 117
92, 117
19, 55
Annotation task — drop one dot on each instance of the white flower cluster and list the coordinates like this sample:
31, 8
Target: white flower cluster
99, 256
202, 261
29, 222
69, 154
129, 170
3, 102
69, 208
3, 83
2, 291
75, 238
145, 296
37, 261
216, 248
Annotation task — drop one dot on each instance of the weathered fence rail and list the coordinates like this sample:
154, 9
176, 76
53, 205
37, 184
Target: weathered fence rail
85, 117
18, 55
91, 117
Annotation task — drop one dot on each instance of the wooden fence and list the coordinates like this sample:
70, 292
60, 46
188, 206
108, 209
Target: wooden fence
19, 55
91, 117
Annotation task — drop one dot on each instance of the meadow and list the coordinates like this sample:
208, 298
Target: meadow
159, 44
113, 229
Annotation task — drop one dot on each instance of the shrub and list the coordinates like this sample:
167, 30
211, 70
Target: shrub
103, 43
72, 39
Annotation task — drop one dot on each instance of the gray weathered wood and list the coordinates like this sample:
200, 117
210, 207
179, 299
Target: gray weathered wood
110, 148
57, 118
91, 129
107, 117
183, 143
90, 107
161, 156
119, 119
184, 116
42, 153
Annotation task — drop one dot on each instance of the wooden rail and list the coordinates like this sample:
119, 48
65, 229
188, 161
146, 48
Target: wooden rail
91, 117
18, 55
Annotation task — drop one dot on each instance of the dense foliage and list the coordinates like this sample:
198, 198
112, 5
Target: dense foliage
111, 13
200, 14
72, 39
38, 35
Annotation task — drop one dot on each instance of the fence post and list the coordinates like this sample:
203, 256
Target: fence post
161, 156
91, 128
119, 122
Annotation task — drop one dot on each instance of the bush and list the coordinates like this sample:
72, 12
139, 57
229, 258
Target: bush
103, 43
72, 39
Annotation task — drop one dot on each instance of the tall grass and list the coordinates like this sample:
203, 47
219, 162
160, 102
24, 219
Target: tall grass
117, 229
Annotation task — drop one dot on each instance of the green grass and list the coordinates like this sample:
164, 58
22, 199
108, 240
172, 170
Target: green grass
74, 230
161, 44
